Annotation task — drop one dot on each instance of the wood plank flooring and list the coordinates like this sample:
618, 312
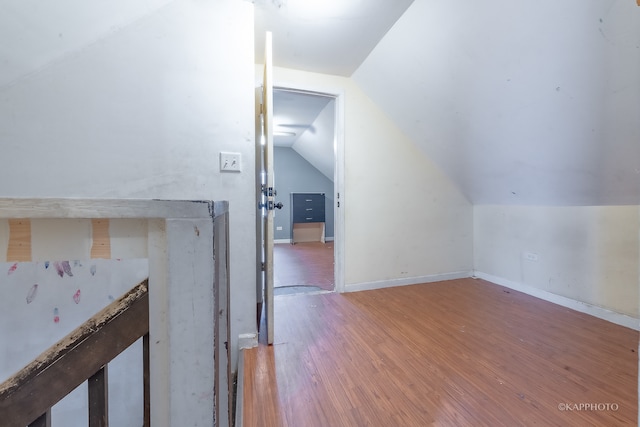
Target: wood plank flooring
456, 353
304, 264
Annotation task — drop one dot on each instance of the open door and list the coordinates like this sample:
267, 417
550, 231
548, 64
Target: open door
266, 193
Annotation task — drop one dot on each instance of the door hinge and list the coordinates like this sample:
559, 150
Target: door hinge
262, 266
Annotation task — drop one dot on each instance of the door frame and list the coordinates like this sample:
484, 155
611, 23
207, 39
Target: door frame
338, 169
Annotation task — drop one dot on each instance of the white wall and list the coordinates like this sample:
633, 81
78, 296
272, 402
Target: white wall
405, 222
588, 254
143, 113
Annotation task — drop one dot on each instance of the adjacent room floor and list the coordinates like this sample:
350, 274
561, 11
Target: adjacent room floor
456, 353
303, 267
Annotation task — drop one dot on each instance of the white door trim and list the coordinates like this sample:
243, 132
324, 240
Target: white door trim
338, 174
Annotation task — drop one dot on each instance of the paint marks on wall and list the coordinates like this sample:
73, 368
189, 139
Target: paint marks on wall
46, 265
13, 268
59, 269
19, 248
31, 295
63, 267
42, 306
93, 270
66, 267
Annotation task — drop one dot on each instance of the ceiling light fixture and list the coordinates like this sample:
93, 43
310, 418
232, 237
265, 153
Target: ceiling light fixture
281, 133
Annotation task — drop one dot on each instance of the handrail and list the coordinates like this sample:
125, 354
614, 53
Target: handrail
32, 391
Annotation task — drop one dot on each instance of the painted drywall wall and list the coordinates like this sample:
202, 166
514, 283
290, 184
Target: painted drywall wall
532, 103
588, 254
143, 113
294, 174
404, 219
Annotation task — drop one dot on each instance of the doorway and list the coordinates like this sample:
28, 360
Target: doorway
305, 154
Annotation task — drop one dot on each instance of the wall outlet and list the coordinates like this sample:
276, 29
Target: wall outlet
530, 256
230, 162
279, 228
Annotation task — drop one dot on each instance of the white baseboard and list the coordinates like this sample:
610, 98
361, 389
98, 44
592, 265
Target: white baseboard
583, 307
247, 340
366, 286
276, 241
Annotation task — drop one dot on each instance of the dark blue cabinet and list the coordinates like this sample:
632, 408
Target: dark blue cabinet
307, 208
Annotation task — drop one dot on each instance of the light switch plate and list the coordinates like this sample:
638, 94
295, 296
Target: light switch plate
230, 162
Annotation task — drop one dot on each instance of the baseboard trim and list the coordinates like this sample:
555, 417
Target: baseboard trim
583, 307
367, 286
247, 341
276, 241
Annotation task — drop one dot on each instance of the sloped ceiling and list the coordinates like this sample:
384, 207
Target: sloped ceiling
294, 113
317, 143
517, 102
35, 33
309, 121
534, 103
323, 36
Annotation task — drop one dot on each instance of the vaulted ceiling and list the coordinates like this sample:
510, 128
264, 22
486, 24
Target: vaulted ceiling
517, 102
534, 103
324, 36
36, 33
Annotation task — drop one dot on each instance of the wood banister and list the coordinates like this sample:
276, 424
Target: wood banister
28, 395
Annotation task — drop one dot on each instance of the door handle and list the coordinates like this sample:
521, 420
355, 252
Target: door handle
270, 205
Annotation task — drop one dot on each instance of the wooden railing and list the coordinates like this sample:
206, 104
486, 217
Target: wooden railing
27, 397
187, 247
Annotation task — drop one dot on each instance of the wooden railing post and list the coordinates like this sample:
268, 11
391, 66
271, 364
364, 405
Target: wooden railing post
145, 379
182, 298
43, 421
99, 398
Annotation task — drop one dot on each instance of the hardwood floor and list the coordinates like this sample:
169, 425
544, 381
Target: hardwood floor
456, 353
304, 264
